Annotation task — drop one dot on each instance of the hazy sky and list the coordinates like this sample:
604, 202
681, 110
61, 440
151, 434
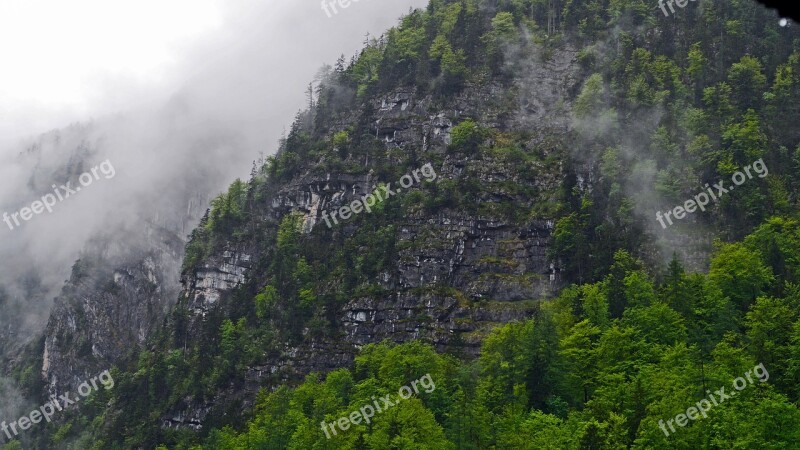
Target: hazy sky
70, 61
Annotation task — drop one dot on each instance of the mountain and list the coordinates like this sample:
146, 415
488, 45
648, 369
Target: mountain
495, 168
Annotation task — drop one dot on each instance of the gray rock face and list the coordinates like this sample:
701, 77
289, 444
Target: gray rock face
217, 276
115, 299
485, 258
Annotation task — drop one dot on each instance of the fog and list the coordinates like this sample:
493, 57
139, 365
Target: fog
177, 119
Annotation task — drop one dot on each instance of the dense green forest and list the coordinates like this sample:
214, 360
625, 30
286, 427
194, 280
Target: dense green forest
635, 339
579, 376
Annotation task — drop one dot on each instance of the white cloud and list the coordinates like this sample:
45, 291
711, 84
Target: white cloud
66, 61
53, 50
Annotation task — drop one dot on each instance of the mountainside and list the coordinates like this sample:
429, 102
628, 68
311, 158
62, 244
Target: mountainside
408, 270
115, 299
483, 163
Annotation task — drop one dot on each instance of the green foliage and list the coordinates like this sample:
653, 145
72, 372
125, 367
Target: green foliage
451, 62
289, 232
503, 32
232, 342
467, 136
341, 142
366, 69
748, 82
740, 274
227, 210
591, 98
697, 62
265, 301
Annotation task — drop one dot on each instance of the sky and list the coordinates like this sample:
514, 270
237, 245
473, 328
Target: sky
64, 62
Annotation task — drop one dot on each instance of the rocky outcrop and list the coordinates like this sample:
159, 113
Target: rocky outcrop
115, 299
217, 276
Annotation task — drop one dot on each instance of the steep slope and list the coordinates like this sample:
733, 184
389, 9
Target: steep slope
115, 299
421, 272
